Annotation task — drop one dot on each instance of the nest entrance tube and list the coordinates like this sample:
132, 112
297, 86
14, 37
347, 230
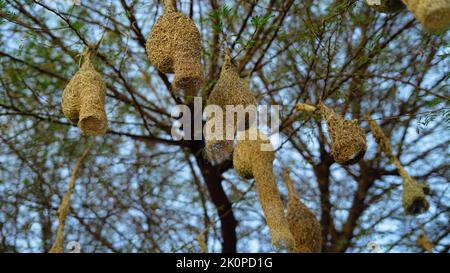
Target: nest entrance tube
434, 15
174, 46
230, 90
83, 100
387, 6
303, 224
413, 198
253, 158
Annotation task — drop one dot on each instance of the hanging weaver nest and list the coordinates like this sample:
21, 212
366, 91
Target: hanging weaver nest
413, 198
387, 6
174, 46
83, 100
302, 222
433, 14
251, 160
231, 90
348, 140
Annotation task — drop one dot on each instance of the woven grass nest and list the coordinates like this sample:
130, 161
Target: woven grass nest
303, 224
174, 46
413, 198
348, 139
250, 161
388, 6
433, 14
230, 89
83, 100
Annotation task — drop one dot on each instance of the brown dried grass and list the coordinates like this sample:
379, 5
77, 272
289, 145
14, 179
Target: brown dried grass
348, 139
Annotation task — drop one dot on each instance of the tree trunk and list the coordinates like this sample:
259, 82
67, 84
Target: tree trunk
212, 176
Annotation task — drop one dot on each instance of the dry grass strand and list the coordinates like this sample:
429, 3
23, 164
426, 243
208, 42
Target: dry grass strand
202, 243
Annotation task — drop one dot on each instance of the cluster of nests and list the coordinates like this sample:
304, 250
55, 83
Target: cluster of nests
434, 15
174, 46
348, 146
298, 230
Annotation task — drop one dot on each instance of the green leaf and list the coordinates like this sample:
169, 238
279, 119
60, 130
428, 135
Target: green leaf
77, 26
218, 26
214, 15
250, 44
434, 102
225, 10
258, 21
